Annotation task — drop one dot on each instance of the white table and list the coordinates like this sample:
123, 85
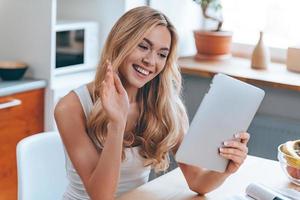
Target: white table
173, 185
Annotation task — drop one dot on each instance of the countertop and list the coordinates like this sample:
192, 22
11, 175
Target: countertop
23, 85
276, 75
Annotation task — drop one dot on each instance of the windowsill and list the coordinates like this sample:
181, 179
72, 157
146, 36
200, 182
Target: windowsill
242, 50
276, 75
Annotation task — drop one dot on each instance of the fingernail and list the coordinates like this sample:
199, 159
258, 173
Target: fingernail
225, 143
221, 149
236, 135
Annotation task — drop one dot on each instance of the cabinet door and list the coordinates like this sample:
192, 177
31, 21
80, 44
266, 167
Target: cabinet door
16, 123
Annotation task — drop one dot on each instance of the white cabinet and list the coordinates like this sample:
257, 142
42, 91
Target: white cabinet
28, 34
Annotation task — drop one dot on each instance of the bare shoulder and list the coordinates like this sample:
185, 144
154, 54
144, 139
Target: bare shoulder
71, 102
68, 103
69, 111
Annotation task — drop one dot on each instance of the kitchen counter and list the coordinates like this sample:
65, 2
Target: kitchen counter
23, 85
21, 115
275, 76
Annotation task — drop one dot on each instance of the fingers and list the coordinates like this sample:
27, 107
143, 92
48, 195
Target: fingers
232, 151
243, 136
109, 73
236, 155
112, 78
118, 84
103, 91
234, 158
236, 145
106, 84
236, 149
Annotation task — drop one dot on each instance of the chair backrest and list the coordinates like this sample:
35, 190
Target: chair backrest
41, 167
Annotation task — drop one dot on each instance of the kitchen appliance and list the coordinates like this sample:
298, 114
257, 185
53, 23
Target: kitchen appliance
77, 46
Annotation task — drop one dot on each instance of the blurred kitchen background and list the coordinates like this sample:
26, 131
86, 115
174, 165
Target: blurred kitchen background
59, 42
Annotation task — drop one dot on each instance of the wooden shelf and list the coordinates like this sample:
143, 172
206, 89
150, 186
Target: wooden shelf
276, 75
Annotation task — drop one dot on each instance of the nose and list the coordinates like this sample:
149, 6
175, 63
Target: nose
149, 59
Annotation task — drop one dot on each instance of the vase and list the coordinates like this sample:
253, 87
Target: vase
261, 55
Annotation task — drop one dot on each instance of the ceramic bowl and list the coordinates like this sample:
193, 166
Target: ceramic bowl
12, 70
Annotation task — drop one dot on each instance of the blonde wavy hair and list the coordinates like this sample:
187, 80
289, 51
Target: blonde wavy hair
162, 119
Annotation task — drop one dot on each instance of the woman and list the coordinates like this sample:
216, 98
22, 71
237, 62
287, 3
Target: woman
118, 127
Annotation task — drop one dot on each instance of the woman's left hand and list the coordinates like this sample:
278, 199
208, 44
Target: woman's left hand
236, 151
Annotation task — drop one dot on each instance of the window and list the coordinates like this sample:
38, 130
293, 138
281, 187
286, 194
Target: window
276, 18
129, 4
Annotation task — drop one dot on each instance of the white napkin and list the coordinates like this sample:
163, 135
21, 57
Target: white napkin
261, 192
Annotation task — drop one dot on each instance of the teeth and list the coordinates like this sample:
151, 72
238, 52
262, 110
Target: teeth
141, 70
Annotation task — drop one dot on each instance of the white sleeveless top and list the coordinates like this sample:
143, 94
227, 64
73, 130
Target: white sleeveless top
132, 174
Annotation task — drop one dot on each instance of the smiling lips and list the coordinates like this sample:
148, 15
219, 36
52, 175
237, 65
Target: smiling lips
141, 70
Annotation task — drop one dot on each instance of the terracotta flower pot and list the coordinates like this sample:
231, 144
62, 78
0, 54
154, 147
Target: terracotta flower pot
213, 45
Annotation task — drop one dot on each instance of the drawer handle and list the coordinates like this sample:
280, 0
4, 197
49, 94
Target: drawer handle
12, 103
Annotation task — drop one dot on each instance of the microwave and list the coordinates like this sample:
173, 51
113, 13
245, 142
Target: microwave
77, 46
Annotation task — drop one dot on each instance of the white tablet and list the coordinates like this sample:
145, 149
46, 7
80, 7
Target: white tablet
228, 108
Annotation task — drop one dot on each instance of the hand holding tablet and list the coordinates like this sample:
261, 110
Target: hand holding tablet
228, 108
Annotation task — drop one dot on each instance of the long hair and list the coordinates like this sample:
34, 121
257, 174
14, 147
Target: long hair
162, 115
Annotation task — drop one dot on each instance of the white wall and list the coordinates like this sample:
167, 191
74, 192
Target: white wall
105, 12
186, 16
25, 34
134, 3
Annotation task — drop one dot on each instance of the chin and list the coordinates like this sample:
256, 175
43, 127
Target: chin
138, 84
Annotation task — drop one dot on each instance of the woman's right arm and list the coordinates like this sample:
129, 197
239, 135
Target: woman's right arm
99, 172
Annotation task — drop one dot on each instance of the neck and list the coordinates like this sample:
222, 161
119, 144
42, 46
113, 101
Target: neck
132, 93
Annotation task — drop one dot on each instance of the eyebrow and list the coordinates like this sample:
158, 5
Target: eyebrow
151, 44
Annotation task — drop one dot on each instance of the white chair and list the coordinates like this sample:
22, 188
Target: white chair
41, 167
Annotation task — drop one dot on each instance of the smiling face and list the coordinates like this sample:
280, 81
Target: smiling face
148, 58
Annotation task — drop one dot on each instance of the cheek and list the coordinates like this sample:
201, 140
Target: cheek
160, 67
136, 54
158, 71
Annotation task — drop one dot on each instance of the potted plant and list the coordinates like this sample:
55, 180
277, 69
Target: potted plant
214, 43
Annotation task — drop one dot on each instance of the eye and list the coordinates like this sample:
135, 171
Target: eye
142, 46
162, 55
